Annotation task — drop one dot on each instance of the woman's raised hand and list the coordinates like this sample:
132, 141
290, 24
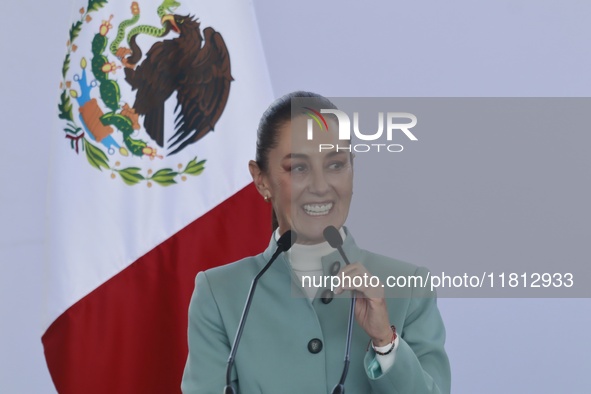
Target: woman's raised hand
370, 310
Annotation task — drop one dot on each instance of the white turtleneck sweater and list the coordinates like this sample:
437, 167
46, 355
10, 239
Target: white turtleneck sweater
307, 260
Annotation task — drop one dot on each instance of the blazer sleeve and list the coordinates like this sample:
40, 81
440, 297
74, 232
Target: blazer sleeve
209, 347
421, 365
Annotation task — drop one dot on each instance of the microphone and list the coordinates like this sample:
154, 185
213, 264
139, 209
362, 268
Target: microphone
334, 239
284, 243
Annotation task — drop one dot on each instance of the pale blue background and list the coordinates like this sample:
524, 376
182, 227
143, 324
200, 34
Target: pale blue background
337, 48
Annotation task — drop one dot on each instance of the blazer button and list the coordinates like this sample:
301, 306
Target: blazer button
334, 269
327, 296
315, 346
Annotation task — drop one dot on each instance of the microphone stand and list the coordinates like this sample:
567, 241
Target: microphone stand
283, 244
340, 387
332, 235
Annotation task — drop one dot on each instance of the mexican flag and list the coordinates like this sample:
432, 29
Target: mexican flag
156, 120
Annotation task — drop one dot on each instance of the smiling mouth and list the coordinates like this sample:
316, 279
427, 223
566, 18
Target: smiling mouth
318, 209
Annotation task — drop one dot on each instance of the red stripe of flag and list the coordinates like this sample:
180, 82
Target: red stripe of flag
130, 334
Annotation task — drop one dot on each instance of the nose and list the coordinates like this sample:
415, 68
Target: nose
318, 182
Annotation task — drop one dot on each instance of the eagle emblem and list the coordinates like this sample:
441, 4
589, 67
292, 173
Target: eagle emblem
120, 94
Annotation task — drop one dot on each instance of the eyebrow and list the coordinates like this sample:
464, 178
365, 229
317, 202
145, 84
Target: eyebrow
304, 156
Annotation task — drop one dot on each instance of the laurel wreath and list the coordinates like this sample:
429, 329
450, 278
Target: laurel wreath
96, 156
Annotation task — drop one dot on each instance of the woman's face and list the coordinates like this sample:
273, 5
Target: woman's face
310, 190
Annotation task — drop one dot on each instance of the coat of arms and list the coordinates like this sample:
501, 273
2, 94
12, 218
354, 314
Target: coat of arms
112, 128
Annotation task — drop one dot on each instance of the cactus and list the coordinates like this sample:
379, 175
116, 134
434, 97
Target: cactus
111, 94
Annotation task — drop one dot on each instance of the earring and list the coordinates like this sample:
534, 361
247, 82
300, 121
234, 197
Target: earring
266, 198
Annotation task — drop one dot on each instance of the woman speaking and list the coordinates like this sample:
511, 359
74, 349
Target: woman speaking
295, 337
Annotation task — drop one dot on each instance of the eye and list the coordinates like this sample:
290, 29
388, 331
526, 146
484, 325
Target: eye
298, 168
336, 165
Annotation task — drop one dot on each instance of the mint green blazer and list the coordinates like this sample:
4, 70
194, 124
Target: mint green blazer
274, 355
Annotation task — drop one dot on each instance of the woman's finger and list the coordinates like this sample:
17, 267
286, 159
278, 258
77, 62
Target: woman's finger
356, 277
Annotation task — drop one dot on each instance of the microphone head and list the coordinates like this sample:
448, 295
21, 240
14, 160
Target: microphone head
333, 237
287, 240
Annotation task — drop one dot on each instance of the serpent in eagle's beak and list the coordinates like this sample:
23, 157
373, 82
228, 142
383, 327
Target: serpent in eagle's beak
170, 19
